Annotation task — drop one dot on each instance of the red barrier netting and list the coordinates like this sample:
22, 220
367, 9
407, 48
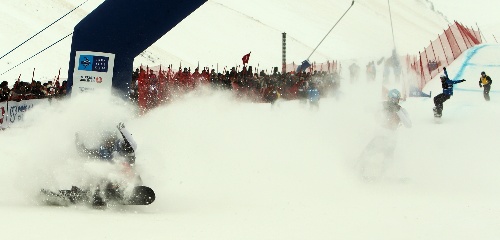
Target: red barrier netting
443, 51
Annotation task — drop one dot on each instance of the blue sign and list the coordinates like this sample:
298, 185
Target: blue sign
93, 63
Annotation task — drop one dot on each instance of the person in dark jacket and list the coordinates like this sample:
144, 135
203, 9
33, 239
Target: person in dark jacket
271, 93
447, 86
4, 91
302, 90
485, 83
313, 96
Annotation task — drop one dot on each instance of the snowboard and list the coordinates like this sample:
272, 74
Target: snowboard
140, 195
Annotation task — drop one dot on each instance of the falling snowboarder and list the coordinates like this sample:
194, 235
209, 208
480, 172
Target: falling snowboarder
119, 151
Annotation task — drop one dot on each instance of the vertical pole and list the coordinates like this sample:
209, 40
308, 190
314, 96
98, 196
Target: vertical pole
469, 32
283, 53
427, 57
422, 76
481, 34
435, 59
448, 39
392, 27
445, 58
456, 41
33, 77
461, 31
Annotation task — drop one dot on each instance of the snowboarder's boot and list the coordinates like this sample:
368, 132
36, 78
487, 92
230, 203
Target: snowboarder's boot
113, 192
438, 112
76, 194
97, 200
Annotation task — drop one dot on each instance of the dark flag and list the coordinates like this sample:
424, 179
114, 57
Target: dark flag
246, 58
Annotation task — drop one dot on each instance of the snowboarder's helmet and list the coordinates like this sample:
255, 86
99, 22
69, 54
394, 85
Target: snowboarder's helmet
442, 76
394, 95
483, 73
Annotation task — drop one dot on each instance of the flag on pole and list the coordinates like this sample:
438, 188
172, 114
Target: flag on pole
33, 77
246, 58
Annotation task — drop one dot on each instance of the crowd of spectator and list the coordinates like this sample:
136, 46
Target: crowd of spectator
166, 85
150, 88
34, 90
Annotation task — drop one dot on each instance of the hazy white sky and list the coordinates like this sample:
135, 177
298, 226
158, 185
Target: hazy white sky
482, 12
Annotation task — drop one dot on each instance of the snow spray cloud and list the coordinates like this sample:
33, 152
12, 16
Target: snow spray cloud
41, 151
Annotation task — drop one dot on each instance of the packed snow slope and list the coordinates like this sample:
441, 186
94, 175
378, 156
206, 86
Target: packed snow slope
220, 32
227, 169
480, 13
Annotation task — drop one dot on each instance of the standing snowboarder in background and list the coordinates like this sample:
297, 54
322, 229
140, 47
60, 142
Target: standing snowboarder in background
380, 151
302, 90
313, 96
485, 83
354, 72
371, 71
394, 63
447, 86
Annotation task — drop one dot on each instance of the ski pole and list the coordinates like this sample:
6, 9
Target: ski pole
331, 29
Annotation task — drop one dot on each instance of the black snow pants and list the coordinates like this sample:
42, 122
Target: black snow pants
439, 100
486, 92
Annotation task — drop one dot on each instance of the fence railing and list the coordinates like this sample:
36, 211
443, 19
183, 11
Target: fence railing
442, 52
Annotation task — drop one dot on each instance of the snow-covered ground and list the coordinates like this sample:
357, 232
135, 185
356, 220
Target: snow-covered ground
225, 169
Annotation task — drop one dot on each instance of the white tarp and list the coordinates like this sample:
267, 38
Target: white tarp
12, 112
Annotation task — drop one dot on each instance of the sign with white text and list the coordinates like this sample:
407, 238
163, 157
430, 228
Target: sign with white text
93, 70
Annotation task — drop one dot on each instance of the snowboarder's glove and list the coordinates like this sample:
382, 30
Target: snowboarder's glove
480, 85
120, 126
444, 68
463, 80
